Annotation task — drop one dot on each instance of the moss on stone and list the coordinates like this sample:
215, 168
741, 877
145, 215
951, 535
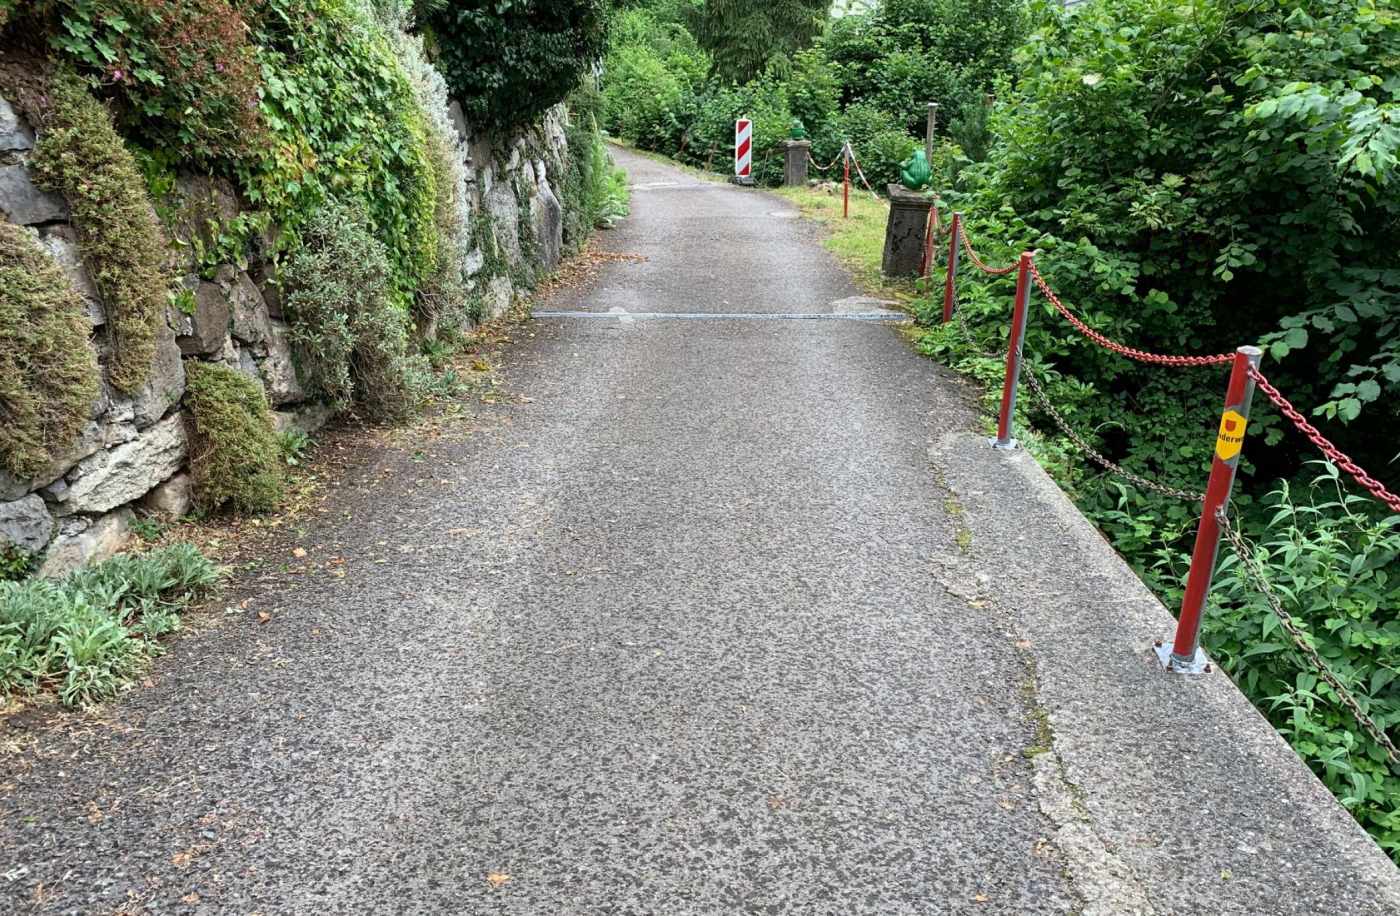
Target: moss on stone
80, 155
234, 456
48, 370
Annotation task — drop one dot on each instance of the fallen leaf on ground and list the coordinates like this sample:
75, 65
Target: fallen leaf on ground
497, 878
264, 616
298, 552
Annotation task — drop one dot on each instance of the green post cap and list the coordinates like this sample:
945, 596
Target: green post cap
914, 172
797, 131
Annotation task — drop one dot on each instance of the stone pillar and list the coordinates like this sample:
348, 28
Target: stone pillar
795, 163
905, 232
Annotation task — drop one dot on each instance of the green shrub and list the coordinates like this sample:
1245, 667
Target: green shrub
814, 96
235, 458
184, 71
80, 155
646, 102
345, 123
1334, 560
868, 74
48, 371
16, 564
653, 72
595, 189
88, 635
712, 131
352, 343
882, 156
508, 62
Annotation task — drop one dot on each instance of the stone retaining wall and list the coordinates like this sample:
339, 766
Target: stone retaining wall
131, 456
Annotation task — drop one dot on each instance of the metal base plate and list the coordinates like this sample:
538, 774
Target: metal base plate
746, 182
1197, 665
1008, 446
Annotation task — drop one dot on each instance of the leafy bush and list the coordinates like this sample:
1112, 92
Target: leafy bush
352, 343
88, 635
645, 99
509, 60
183, 68
16, 563
48, 372
595, 189
712, 132
1192, 211
1334, 560
882, 156
235, 458
346, 124
80, 155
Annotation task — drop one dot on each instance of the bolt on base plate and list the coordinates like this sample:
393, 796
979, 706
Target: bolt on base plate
1008, 446
1197, 665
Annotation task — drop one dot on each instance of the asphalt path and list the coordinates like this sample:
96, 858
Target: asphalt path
675, 628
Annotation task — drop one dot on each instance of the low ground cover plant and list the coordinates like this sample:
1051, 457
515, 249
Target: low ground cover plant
88, 635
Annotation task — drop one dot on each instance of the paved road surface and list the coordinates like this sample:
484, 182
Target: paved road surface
674, 636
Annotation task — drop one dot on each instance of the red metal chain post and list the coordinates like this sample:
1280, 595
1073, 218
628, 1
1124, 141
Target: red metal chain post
1013, 353
846, 181
949, 284
1185, 655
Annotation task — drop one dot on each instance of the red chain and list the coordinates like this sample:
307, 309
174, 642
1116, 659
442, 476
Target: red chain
972, 255
1334, 454
1130, 352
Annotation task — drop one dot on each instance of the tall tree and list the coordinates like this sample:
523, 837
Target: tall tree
742, 35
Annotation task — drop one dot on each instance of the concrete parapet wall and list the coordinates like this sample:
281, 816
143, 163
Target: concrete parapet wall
1171, 793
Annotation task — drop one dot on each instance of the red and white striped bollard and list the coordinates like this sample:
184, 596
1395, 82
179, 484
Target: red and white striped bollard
743, 150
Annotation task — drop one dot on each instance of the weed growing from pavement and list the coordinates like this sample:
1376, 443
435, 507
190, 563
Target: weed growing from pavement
962, 534
88, 635
294, 444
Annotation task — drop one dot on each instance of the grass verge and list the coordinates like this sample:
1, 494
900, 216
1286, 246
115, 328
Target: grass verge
858, 241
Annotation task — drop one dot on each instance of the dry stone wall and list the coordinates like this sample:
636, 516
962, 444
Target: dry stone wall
131, 456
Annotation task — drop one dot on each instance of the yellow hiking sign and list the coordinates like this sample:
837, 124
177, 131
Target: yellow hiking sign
1231, 437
